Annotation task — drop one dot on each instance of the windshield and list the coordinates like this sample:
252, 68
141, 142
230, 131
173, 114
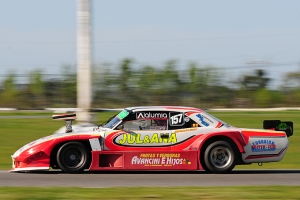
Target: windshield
116, 119
112, 122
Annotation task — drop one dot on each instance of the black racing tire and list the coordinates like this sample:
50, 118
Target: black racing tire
205, 167
219, 157
73, 157
202, 163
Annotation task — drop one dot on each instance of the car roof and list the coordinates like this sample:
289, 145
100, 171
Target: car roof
163, 108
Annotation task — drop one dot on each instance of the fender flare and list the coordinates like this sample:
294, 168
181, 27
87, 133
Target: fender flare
235, 136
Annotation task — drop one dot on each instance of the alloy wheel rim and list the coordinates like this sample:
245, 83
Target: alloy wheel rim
220, 157
73, 157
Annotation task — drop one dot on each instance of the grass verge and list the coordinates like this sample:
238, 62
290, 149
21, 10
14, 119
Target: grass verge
142, 193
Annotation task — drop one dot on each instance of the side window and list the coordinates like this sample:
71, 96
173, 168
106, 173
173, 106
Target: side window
146, 124
147, 120
157, 120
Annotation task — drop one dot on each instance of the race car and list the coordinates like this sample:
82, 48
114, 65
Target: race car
154, 138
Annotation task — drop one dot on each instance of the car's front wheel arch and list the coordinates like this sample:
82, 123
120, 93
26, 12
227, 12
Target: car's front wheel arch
55, 150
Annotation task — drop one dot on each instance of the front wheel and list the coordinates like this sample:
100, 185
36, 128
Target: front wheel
219, 157
73, 157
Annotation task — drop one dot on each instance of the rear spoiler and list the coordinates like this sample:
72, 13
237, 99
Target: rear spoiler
278, 125
68, 119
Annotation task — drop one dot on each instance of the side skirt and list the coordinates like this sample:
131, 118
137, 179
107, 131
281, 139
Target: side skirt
144, 160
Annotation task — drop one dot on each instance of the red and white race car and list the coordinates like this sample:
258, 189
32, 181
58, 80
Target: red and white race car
154, 138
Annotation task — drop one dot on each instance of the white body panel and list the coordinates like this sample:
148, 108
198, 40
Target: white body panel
265, 149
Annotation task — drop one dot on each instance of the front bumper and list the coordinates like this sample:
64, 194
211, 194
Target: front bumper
37, 162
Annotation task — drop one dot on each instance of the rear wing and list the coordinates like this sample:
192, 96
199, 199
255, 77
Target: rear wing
68, 119
278, 125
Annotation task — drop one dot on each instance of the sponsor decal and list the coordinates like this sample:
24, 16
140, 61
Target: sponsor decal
206, 118
202, 120
263, 145
159, 159
151, 115
282, 126
123, 114
185, 130
156, 138
158, 128
186, 119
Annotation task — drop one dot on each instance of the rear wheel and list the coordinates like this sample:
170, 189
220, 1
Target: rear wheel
219, 157
73, 157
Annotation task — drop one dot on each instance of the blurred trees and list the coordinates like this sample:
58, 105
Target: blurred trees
34, 92
124, 85
9, 93
256, 81
291, 88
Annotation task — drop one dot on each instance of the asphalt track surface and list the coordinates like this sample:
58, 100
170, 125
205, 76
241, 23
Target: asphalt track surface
150, 178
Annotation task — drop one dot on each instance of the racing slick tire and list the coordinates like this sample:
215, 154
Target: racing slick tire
73, 157
219, 157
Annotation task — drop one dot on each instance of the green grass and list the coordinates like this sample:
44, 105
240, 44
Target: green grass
142, 193
20, 131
